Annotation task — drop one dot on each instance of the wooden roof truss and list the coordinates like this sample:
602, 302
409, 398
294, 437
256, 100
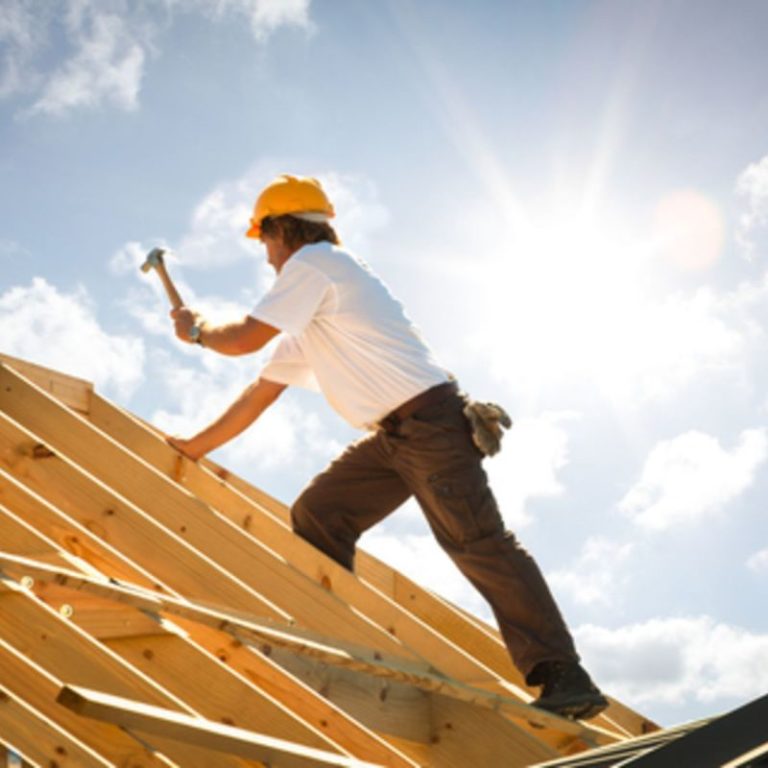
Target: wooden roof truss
160, 612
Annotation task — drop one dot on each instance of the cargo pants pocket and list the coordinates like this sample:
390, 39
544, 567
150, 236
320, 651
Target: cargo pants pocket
461, 508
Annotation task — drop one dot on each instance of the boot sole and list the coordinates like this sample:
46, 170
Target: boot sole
574, 708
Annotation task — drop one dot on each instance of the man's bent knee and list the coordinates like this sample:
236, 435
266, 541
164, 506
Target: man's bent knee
300, 516
322, 533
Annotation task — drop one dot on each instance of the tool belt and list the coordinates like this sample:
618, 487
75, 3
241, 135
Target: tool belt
425, 399
488, 422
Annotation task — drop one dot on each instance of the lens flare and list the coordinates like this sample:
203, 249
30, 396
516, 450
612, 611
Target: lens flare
689, 230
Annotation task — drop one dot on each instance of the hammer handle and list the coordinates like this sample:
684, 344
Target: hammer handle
170, 288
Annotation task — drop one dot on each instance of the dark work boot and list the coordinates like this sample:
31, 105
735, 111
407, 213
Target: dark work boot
567, 690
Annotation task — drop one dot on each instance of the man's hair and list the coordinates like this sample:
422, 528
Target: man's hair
298, 232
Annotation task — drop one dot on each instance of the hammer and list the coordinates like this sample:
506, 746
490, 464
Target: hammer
155, 261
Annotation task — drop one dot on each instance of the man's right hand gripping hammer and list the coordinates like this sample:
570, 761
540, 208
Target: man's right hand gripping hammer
188, 323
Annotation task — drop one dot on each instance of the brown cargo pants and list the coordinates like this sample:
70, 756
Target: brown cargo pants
431, 455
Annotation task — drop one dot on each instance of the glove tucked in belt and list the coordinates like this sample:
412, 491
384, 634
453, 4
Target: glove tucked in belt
487, 420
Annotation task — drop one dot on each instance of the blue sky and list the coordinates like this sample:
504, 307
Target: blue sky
571, 199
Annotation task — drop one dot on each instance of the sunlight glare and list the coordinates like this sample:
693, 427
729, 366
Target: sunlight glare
689, 230
572, 292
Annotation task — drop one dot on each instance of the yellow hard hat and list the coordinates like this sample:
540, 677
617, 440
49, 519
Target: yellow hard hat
294, 195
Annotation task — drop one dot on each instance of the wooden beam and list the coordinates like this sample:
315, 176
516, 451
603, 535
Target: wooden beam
40, 739
418, 676
112, 518
456, 662
101, 619
249, 516
344, 727
75, 393
244, 628
454, 725
67, 653
100, 456
80, 544
446, 728
21, 538
227, 739
38, 689
300, 642
169, 657
255, 519
457, 625
752, 759
215, 690
464, 630
203, 527
109, 620
79, 394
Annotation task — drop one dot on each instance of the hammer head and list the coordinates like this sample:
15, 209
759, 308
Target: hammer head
153, 260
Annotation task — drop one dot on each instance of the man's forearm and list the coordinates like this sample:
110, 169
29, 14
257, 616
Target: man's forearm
253, 401
236, 338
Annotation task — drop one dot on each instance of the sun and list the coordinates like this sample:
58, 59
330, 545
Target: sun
584, 299
568, 286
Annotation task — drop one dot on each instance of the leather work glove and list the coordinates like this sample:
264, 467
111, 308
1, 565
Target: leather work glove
487, 420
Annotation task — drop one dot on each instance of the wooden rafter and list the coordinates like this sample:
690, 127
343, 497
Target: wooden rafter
181, 590
226, 739
259, 633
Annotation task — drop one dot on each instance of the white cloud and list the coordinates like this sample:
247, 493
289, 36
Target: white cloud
216, 234
535, 450
595, 576
676, 660
129, 258
665, 346
359, 212
148, 302
10, 249
89, 53
265, 16
284, 435
217, 227
61, 331
216, 237
758, 562
23, 30
571, 305
106, 68
692, 476
752, 184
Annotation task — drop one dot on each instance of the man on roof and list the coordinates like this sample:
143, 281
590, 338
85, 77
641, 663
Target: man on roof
344, 334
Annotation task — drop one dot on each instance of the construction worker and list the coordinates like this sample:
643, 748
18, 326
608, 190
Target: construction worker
344, 334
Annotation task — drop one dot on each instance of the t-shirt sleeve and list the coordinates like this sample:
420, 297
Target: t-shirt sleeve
289, 366
294, 299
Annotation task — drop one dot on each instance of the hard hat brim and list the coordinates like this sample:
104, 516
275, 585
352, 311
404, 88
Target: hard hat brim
288, 195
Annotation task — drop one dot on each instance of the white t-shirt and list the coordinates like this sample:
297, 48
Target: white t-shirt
346, 335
